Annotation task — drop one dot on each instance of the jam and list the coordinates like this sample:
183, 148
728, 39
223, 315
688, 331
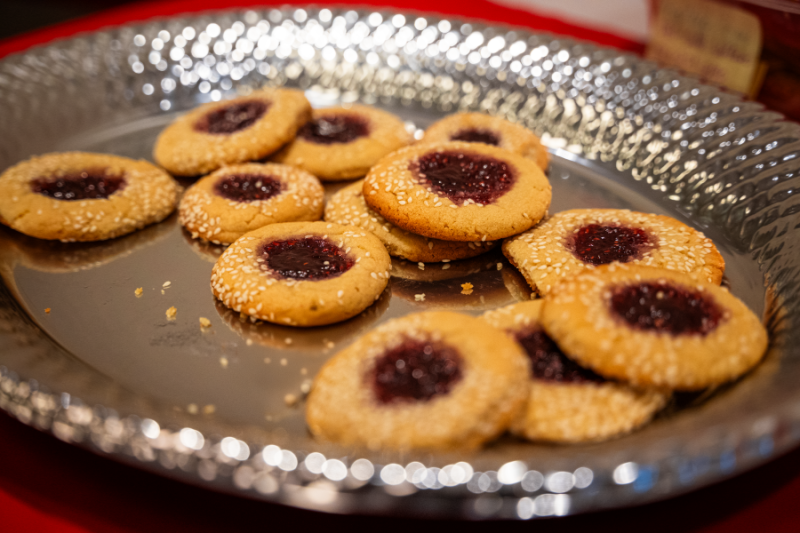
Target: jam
306, 258
464, 176
247, 187
548, 362
232, 118
666, 308
334, 129
475, 135
87, 185
415, 370
600, 244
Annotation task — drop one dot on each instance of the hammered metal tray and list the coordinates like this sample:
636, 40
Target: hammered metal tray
223, 408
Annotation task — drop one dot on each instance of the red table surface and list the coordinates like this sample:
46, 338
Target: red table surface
46, 485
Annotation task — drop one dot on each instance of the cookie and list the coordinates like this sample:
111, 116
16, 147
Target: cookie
569, 403
435, 380
458, 191
243, 129
483, 128
342, 143
302, 273
240, 198
80, 196
349, 208
653, 327
571, 241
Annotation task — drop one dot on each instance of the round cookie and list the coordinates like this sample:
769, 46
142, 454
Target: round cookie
302, 273
483, 128
571, 241
458, 191
342, 143
567, 402
653, 327
234, 131
80, 196
237, 199
436, 380
348, 207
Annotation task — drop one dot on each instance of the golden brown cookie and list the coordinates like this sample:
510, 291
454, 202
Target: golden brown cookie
458, 191
434, 380
349, 208
302, 273
483, 128
342, 143
571, 241
80, 196
243, 129
240, 198
567, 402
653, 327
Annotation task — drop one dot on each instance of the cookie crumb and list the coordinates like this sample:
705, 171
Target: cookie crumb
171, 312
209, 409
249, 342
138, 292
499, 266
204, 322
284, 362
421, 265
192, 409
223, 362
290, 400
329, 344
466, 288
419, 297
47, 310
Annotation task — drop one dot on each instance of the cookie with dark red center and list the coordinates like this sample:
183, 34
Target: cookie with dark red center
571, 241
496, 131
302, 273
348, 207
458, 191
653, 327
342, 143
434, 380
243, 129
78, 196
567, 402
240, 198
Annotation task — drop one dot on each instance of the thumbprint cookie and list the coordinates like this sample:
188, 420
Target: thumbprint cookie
483, 128
434, 380
458, 191
342, 143
240, 198
243, 129
348, 207
653, 327
569, 403
571, 241
79, 196
302, 273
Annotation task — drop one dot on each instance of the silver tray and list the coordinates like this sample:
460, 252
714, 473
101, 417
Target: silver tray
106, 371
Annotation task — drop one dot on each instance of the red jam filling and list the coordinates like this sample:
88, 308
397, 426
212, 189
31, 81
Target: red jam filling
334, 129
306, 258
600, 244
548, 362
232, 118
415, 371
666, 308
464, 176
476, 135
247, 187
87, 185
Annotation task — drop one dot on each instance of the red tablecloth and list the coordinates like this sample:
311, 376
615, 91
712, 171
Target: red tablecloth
46, 485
